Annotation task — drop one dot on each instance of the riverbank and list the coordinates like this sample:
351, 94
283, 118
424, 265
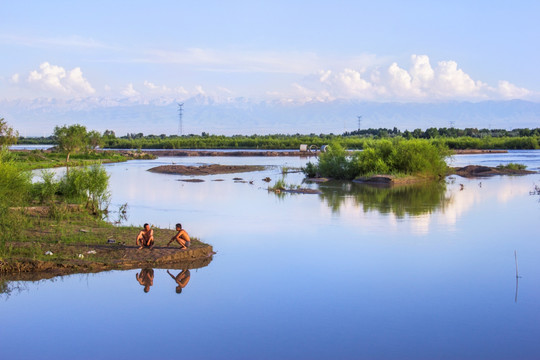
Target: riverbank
271, 153
80, 243
46, 159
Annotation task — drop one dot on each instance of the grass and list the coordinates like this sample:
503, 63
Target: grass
278, 185
39, 159
69, 236
511, 166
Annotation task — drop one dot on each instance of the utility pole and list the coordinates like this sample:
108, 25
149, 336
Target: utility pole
359, 123
180, 113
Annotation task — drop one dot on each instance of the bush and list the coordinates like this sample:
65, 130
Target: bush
310, 170
87, 184
14, 188
335, 163
14, 182
397, 156
512, 166
46, 190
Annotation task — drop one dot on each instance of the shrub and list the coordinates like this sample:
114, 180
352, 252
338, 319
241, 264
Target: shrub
14, 188
14, 182
397, 156
310, 170
512, 166
87, 184
335, 163
46, 190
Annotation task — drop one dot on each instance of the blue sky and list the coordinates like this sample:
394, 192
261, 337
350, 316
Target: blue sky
265, 49
289, 51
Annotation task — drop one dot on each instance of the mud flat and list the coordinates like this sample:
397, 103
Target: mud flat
478, 151
478, 171
228, 153
205, 169
391, 180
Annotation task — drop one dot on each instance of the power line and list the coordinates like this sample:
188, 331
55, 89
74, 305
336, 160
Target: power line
180, 113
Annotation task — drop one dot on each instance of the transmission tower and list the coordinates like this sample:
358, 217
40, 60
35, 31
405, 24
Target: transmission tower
180, 113
359, 123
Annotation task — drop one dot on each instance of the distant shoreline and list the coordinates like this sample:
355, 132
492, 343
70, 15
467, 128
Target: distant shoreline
274, 153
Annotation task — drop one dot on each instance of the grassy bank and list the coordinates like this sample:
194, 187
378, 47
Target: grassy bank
68, 238
56, 224
40, 159
294, 142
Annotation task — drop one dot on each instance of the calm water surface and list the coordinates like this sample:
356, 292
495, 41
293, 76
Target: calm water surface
354, 272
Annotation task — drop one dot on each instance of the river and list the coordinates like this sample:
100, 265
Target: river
354, 272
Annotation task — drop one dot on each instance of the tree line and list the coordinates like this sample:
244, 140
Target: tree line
76, 137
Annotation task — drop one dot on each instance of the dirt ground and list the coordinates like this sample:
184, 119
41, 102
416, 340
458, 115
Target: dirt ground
477, 170
205, 169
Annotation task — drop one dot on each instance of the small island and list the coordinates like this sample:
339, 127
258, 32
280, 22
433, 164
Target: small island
82, 243
213, 169
397, 162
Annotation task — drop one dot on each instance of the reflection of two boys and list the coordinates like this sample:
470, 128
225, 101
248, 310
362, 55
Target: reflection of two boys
146, 279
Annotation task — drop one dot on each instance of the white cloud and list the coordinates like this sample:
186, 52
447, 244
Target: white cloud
421, 71
129, 91
421, 82
154, 89
511, 91
56, 79
451, 81
14, 79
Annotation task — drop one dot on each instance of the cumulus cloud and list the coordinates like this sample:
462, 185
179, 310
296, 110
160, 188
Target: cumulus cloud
56, 79
14, 79
129, 91
421, 82
511, 91
154, 89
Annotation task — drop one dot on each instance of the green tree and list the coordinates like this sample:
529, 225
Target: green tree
7, 135
95, 140
71, 139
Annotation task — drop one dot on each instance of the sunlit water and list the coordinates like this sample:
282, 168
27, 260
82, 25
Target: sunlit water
354, 272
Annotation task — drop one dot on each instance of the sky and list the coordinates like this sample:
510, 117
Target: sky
287, 51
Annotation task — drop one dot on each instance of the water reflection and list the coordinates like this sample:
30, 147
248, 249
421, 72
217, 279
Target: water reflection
403, 200
182, 279
146, 278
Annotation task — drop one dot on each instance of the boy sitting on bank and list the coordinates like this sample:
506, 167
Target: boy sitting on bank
181, 237
145, 237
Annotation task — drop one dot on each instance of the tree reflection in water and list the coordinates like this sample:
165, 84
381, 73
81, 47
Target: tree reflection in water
401, 200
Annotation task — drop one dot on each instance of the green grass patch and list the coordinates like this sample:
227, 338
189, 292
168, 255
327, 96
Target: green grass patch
511, 166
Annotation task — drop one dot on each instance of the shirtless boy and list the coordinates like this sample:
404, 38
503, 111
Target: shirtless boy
181, 237
145, 237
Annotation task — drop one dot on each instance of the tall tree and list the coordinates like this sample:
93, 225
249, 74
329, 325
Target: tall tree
8, 136
95, 139
71, 139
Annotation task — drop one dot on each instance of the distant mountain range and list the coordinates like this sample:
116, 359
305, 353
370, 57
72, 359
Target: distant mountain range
243, 116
